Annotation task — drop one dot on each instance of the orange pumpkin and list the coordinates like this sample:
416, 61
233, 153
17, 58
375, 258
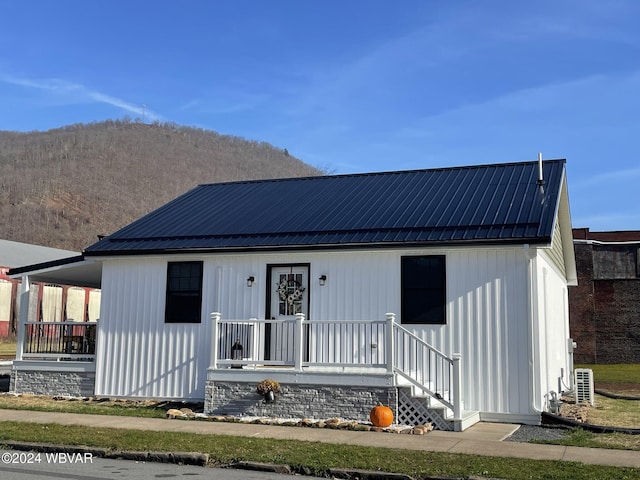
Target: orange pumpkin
381, 416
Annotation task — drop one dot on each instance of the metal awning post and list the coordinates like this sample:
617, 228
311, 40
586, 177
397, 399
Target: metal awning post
24, 317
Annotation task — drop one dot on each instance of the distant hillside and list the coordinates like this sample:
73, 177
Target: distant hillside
63, 187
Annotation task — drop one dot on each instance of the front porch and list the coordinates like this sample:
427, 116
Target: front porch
329, 368
326, 369
55, 358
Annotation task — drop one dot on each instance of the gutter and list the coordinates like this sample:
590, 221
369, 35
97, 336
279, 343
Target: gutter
99, 254
581, 241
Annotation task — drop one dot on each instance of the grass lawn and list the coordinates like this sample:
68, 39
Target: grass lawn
312, 457
317, 458
583, 438
615, 412
149, 408
7, 348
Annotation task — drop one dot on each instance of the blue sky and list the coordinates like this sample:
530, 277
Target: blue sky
352, 86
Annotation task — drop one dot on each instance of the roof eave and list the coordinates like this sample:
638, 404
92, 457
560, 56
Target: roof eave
541, 241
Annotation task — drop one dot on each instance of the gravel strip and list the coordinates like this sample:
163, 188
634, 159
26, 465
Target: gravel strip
526, 433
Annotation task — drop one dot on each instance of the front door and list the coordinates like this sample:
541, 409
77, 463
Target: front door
288, 295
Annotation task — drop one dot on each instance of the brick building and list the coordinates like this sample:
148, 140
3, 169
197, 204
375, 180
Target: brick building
604, 309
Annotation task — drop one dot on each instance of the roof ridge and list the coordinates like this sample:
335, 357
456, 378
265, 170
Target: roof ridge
385, 172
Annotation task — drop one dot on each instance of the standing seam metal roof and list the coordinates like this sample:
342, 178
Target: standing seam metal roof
485, 203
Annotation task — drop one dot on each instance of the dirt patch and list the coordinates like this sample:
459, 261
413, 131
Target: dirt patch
577, 412
631, 389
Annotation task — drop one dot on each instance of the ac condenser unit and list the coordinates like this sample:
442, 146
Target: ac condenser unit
584, 385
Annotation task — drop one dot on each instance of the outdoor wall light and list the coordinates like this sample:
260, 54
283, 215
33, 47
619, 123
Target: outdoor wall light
323, 280
250, 281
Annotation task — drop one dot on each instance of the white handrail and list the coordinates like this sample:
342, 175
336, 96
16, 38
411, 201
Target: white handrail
421, 341
428, 369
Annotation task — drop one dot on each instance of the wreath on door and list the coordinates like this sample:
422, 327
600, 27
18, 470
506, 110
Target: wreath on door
290, 291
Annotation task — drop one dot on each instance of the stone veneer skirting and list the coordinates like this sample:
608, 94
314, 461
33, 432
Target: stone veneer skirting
73, 383
298, 400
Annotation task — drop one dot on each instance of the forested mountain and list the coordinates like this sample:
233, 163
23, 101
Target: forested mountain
63, 187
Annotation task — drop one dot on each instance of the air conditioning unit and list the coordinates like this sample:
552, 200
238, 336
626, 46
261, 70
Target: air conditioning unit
584, 385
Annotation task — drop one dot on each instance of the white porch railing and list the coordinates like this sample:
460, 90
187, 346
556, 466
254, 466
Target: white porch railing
59, 340
300, 344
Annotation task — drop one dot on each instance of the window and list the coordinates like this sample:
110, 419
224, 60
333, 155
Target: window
423, 290
184, 292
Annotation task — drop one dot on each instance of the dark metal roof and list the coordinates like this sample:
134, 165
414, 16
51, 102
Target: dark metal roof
482, 204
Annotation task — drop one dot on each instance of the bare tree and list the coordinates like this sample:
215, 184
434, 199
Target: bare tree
63, 187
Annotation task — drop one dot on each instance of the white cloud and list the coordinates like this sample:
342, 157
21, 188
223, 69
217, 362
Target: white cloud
626, 174
70, 92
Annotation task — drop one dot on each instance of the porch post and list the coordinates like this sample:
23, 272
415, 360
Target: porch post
391, 318
215, 318
457, 387
24, 317
298, 338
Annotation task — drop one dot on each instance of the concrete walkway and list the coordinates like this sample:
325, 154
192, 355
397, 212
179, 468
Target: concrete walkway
481, 439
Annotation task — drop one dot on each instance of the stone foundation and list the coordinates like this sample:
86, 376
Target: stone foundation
298, 400
68, 384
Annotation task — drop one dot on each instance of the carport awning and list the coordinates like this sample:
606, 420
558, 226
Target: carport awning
76, 271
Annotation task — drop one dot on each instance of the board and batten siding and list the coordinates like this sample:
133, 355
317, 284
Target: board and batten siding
552, 317
487, 317
487, 323
138, 354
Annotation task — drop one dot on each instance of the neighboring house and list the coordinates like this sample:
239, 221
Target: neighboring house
17, 254
605, 306
441, 292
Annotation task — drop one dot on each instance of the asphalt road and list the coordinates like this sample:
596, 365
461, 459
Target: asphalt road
29, 466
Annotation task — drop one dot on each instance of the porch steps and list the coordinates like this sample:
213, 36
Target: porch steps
420, 409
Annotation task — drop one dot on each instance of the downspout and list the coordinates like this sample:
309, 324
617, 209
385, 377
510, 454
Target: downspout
534, 366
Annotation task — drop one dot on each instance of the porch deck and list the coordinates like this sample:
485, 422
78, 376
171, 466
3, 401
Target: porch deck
364, 353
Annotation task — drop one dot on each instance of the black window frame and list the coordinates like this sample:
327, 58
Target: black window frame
423, 289
184, 292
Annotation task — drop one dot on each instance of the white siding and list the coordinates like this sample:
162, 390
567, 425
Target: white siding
138, 354
553, 327
487, 317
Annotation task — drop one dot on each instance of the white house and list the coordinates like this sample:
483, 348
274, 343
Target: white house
440, 292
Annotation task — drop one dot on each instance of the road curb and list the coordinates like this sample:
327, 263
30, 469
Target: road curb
180, 458
262, 467
353, 474
201, 459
